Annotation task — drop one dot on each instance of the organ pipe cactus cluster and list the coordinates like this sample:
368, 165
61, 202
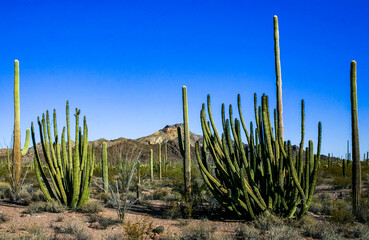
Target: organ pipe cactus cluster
105, 168
184, 145
17, 152
70, 170
262, 176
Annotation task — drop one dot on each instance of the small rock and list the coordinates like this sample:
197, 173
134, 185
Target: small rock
158, 230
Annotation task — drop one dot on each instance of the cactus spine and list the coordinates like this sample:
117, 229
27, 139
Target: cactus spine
278, 75
160, 162
70, 178
356, 172
151, 166
184, 145
105, 169
17, 152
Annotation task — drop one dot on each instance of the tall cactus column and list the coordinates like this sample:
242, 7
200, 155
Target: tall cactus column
278, 76
105, 171
356, 172
186, 146
17, 152
151, 166
160, 173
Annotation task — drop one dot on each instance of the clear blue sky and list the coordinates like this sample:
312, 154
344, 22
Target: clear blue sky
124, 63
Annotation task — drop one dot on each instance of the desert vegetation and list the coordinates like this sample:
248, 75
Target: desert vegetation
218, 186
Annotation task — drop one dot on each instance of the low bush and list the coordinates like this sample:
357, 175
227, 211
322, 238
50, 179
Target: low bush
246, 231
50, 206
342, 211
91, 207
138, 230
201, 231
266, 221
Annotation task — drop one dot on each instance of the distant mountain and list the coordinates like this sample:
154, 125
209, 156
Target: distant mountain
168, 133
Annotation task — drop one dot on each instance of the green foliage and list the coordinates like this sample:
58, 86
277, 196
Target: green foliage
70, 171
139, 230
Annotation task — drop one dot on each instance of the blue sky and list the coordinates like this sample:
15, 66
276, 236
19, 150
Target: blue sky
123, 63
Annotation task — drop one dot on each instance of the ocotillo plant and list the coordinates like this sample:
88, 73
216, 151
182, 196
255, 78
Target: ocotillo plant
160, 173
105, 168
17, 152
278, 75
70, 178
356, 172
262, 177
151, 166
184, 145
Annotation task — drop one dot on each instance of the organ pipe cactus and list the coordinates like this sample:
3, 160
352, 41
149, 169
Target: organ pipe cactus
184, 145
356, 172
66, 180
17, 152
105, 168
262, 176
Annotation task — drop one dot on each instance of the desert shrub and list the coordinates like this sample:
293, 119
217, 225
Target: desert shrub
103, 221
311, 228
201, 231
4, 190
114, 236
77, 231
284, 233
361, 231
37, 196
245, 231
138, 230
342, 211
341, 182
266, 221
91, 207
173, 211
363, 215
50, 206
103, 196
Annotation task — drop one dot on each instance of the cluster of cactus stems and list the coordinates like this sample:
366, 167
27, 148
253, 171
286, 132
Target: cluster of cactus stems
17, 152
262, 176
105, 168
184, 146
70, 171
356, 171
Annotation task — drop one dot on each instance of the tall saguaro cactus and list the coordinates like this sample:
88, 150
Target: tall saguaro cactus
184, 145
17, 152
356, 172
105, 170
278, 75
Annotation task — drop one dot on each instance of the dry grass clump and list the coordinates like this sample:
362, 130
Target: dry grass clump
246, 231
318, 230
284, 232
342, 211
102, 221
49, 206
266, 221
75, 230
201, 231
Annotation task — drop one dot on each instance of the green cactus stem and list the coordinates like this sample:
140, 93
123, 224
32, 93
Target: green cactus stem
356, 172
105, 168
278, 75
160, 166
151, 166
